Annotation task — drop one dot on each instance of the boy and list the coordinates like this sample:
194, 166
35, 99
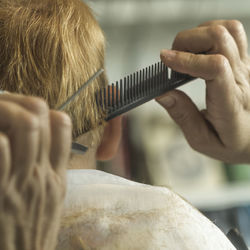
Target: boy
48, 49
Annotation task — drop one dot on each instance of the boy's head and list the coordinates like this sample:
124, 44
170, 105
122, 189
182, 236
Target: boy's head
49, 48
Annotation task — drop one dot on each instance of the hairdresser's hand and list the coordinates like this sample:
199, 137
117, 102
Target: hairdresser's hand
34, 151
222, 130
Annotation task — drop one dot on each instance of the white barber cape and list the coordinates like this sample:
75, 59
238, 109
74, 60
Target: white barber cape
112, 213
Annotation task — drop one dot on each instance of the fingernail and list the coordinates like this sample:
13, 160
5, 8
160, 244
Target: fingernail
167, 101
168, 54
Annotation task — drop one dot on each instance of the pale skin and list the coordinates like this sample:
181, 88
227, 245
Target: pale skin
221, 130
35, 142
34, 150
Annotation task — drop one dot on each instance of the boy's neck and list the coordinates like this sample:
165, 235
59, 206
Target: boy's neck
86, 161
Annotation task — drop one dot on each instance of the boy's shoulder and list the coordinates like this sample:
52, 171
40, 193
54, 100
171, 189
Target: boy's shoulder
111, 212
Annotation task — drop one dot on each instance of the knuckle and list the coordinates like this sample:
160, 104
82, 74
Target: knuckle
219, 64
37, 105
29, 121
235, 26
219, 33
64, 119
61, 118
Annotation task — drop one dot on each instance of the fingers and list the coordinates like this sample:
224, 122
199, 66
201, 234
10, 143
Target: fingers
22, 129
5, 159
226, 37
61, 129
27, 124
221, 88
195, 128
237, 31
211, 40
40, 110
207, 67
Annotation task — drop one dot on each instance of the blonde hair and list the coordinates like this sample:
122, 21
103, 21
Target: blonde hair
49, 48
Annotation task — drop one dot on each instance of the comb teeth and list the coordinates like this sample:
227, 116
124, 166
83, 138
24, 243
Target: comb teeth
138, 88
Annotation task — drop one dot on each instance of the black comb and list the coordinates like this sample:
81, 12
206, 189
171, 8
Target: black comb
138, 88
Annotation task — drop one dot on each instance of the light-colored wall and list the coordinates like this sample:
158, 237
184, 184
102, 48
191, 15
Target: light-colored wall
136, 30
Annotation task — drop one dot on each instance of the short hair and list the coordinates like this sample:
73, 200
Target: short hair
49, 48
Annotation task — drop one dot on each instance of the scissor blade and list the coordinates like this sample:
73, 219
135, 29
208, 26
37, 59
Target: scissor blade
70, 99
77, 148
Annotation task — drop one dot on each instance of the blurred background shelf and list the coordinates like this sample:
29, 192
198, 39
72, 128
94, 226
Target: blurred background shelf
225, 197
131, 12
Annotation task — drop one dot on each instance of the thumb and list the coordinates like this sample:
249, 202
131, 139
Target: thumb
190, 120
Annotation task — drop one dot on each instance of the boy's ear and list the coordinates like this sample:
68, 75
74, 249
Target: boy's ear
111, 140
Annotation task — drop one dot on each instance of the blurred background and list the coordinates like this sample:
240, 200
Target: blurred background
153, 149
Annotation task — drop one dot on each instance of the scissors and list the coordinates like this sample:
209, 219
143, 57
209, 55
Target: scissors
76, 148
